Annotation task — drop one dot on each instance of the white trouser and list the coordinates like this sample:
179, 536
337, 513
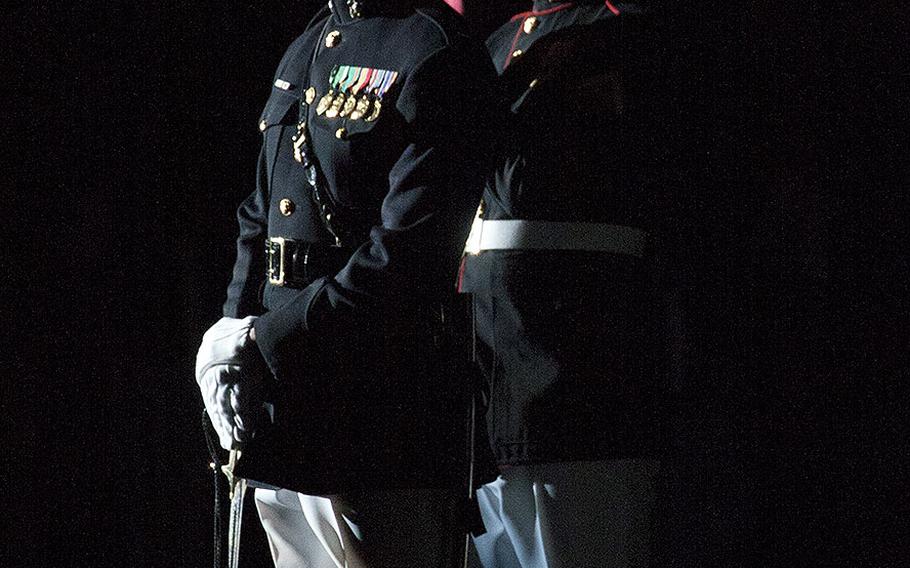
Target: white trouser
569, 515
405, 528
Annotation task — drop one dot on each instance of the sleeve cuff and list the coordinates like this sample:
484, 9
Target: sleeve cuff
282, 334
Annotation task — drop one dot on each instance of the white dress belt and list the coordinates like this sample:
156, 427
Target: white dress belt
555, 235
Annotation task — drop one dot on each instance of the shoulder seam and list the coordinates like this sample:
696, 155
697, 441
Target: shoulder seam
321, 13
300, 40
445, 35
504, 30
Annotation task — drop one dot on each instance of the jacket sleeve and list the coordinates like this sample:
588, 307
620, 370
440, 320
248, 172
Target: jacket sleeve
249, 268
411, 256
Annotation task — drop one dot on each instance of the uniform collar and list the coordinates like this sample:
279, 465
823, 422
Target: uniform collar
350, 10
543, 5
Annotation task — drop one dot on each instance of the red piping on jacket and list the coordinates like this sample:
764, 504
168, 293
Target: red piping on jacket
460, 280
521, 15
524, 15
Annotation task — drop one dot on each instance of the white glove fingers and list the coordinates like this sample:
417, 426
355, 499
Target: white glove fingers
228, 390
242, 406
241, 436
242, 395
213, 407
215, 387
223, 401
238, 410
223, 428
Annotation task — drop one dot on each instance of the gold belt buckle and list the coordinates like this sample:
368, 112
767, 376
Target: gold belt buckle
275, 252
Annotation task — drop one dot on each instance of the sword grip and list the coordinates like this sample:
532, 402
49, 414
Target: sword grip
229, 471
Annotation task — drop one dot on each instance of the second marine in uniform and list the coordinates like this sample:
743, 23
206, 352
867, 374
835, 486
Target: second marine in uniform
561, 266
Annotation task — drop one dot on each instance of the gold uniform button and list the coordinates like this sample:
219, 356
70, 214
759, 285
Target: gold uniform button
286, 206
517, 53
263, 125
310, 95
531, 24
333, 39
341, 133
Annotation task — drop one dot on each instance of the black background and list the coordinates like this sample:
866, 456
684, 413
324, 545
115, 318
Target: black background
130, 137
140, 137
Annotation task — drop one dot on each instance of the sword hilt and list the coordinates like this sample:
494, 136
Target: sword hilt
229, 471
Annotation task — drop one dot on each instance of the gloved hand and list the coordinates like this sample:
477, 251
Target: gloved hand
230, 376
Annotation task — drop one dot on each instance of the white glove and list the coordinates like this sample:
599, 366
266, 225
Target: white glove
230, 385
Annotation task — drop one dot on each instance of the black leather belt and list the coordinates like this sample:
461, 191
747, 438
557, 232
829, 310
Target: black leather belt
296, 264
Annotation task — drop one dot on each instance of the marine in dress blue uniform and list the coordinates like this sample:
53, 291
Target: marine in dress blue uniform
368, 175
562, 265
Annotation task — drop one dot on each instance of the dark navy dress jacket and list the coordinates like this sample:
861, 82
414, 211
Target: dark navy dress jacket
363, 393
567, 339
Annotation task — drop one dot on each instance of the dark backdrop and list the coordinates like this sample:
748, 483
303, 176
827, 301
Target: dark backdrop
141, 131
130, 136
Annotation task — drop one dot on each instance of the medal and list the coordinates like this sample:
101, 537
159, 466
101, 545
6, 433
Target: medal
356, 93
363, 106
336, 105
367, 104
385, 81
324, 103
363, 78
377, 108
344, 77
349, 105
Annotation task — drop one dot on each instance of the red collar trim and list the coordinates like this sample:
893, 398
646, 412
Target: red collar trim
530, 13
526, 15
523, 15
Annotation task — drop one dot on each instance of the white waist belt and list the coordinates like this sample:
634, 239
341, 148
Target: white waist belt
551, 235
